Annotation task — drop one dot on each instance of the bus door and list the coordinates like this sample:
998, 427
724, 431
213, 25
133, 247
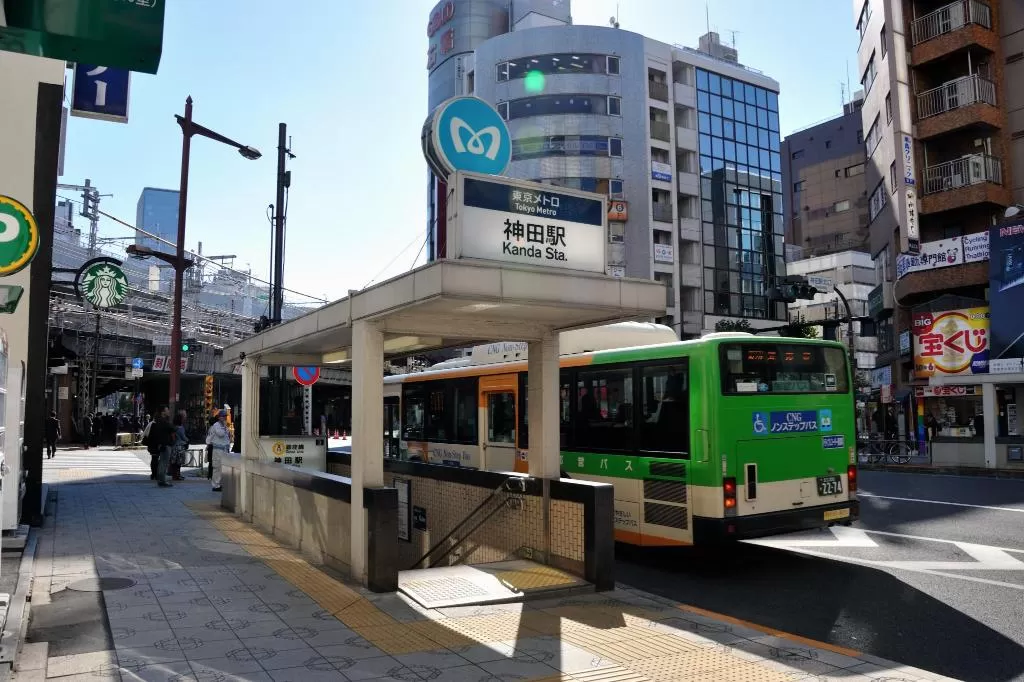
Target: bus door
498, 423
392, 427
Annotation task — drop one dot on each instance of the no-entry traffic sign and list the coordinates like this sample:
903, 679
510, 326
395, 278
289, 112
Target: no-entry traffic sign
306, 376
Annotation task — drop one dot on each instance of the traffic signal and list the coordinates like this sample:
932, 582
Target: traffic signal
793, 288
184, 348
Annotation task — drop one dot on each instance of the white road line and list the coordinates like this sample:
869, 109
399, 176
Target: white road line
929, 539
842, 536
1019, 510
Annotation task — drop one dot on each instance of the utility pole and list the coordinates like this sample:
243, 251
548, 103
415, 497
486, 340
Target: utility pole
95, 363
284, 181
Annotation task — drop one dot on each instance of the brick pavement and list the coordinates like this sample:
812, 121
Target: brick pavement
211, 599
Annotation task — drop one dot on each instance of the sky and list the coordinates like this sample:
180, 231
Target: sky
349, 78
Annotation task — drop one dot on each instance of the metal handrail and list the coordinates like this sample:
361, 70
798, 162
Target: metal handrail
658, 91
510, 493
952, 17
660, 130
967, 170
954, 94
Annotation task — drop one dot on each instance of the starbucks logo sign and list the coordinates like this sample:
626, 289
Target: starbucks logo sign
19, 236
102, 282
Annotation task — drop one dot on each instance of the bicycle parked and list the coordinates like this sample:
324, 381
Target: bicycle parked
878, 450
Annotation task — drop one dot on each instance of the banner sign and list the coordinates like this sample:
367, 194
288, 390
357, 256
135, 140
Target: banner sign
951, 342
1006, 295
970, 248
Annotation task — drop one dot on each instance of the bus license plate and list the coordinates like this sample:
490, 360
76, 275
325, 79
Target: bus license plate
836, 514
829, 485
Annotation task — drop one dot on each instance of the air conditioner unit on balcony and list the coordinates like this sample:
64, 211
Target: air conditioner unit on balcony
976, 169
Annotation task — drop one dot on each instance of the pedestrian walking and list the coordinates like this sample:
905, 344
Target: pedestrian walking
161, 441
179, 454
86, 431
219, 440
52, 434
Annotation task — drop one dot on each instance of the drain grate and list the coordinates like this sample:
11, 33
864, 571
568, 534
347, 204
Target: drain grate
101, 584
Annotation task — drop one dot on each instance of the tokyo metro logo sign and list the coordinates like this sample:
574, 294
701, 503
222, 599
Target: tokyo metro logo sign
466, 134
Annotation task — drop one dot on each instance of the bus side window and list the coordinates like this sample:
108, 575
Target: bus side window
565, 409
665, 425
413, 399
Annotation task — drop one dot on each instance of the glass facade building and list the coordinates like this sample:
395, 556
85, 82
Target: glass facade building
741, 197
157, 213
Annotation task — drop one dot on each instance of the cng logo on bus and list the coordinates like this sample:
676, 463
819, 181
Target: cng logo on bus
791, 421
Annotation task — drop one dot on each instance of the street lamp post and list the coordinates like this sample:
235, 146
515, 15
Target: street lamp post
188, 129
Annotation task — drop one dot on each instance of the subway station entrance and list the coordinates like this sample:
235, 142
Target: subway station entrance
372, 518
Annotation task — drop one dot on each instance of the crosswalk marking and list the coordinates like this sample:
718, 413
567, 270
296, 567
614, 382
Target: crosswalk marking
126, 462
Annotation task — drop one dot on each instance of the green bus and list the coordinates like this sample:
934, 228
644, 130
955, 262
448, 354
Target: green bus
726, 437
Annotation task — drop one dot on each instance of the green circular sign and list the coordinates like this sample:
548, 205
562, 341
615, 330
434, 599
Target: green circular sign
19, 236
103, 284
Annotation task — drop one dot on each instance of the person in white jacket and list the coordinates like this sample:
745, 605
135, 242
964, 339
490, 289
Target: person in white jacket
219, 440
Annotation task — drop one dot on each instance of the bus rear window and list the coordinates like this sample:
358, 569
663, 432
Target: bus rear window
782, 368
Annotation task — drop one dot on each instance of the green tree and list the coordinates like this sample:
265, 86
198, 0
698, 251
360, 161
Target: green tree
798, 328
732, 326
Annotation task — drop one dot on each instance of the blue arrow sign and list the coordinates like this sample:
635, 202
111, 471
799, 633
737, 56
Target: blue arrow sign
101, 92
137, 363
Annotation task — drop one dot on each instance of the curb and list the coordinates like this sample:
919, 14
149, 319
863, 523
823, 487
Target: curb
945, 471
16, 622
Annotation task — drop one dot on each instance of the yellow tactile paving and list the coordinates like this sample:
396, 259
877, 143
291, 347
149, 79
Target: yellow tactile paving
535, 578
615, 633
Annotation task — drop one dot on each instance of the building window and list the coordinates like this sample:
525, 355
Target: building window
839, 172
598, 185
860, 137
873, 137
864, 18
878, 200
892, 176
798, 186
841, 206
565, 145
503, 110
615, 188
885, 49
868, 78
554, 64
797, 154
854, 170
556, 105
828, 144
888, 107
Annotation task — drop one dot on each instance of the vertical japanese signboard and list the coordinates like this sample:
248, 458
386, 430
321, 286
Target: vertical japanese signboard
951, 342
912, 236
523, 222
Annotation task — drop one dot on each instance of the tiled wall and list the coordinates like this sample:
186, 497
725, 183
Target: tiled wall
513, 532
317, 525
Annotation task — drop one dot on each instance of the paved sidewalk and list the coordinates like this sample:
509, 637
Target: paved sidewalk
204, 597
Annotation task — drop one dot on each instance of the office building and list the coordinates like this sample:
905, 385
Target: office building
943, 117
823, 184
157, 213
688, 141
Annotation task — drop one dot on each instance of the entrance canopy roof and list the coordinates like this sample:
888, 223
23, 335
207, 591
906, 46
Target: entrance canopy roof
455, 303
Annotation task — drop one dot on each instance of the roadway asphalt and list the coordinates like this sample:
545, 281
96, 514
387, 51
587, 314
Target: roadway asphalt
934, 586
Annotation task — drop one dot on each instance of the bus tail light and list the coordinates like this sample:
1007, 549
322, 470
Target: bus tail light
729, 492
851, 478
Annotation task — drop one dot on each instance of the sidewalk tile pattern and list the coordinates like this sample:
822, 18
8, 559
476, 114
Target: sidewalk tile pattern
215, 600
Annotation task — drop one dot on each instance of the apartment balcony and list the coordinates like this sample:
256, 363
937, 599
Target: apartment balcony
664, 253
662, 213
957, 104
684, 94
689, 230
952, 28
658, 91
969, 180
686, 138
660, 130
916, 287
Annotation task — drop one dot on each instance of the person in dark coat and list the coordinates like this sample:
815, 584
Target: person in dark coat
161, 442
52, 434
86, 431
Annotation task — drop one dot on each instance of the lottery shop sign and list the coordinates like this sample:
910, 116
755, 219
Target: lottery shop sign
951, 342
